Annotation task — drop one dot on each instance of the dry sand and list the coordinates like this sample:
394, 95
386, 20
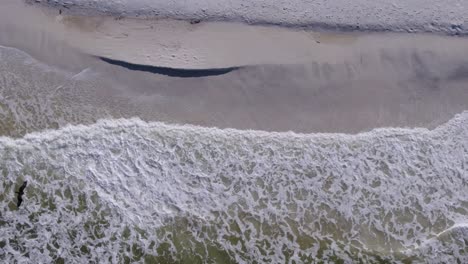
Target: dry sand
294, 79
434, 16
180, 44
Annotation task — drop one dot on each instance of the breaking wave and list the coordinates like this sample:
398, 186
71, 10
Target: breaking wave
130, 191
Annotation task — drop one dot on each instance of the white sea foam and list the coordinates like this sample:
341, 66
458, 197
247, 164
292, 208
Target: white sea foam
256, 195
127, 191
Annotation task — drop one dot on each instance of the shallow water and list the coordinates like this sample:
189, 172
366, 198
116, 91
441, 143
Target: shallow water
124, 190
127, 190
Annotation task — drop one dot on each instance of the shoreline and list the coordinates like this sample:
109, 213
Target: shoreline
166, 141
303, 81
183, 45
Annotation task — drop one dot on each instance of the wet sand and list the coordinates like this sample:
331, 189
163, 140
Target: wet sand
288, 79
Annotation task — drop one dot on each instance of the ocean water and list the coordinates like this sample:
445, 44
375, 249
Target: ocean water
123, 190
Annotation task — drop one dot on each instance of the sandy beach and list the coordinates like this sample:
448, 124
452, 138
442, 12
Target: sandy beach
233, 131
415, 16
182, 44
288, 79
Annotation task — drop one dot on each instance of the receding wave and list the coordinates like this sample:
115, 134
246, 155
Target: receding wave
130, 191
